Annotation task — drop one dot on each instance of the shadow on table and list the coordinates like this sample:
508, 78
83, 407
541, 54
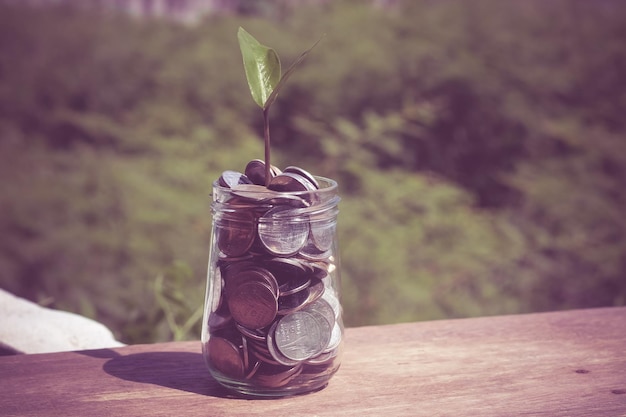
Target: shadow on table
183, 371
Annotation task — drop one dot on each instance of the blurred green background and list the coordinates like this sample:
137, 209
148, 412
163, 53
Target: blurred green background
480, 149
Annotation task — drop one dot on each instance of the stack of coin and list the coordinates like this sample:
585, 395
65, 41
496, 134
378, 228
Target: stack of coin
274, 318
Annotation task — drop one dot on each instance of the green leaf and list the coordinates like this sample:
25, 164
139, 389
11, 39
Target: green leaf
262, 67
286, 76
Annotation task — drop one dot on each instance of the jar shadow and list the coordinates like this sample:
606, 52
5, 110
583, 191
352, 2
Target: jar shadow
184, 371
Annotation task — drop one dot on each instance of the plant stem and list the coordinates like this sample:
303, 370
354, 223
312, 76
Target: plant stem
266, 125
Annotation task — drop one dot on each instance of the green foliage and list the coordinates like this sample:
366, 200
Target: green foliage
414, 246
478, 147
262, 67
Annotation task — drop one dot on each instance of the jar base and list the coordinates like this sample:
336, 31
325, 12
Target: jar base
300, 385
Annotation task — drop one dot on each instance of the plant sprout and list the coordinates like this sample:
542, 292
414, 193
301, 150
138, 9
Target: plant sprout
263, 72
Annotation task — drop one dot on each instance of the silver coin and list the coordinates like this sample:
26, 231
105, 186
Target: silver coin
330, 296
275, 170
319, 269
290, 182
224, 259
276, 354
217, 283
229, 179
324, 358
245, 353
299, 336
323, 235
305, 174
253, 192
316, 290
249, 195
322, 307
282, 234
335, 338
326, 328
288, 200
311, 252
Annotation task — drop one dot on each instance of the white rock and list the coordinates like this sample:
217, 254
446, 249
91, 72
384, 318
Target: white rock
30, 328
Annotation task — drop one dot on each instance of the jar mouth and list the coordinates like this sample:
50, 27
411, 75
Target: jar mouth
303, 202
327, 186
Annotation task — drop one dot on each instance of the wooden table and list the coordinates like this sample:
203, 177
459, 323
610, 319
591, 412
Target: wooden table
550, 364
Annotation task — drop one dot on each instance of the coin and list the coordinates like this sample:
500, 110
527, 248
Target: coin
330, 296
245, 354
299, 336
261, 353
316, 289
326, 330
276, 376
215, 290
224, 259
324, 358
335, 338
293, 286
231, 178
249, 194
253, 304
253, 192
319, 269
282, 234
275, 170
275, 314
293, 302
285, 269
290, 182
322, 307
225, 356
322, 235
304, 174
219, 320
255, 171
271, 346
235, 233
254, 334
325, 314
238, 275
290, 274
288, 200
253, 369
312, 253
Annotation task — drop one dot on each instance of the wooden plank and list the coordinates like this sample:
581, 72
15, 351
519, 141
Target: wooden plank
550, 364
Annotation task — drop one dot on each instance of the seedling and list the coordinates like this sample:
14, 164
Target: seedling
263, 72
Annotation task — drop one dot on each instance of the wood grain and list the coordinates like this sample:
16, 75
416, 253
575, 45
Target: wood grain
550, 364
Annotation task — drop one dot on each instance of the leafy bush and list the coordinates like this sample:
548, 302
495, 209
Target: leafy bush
478, 147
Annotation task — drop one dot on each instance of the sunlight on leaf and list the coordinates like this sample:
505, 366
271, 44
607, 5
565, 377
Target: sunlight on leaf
262, 67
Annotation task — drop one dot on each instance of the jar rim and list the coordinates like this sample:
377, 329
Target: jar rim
327, 186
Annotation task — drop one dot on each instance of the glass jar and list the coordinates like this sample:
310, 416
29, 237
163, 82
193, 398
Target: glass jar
273, 320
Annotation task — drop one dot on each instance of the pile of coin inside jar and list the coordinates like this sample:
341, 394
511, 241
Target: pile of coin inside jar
275, 316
